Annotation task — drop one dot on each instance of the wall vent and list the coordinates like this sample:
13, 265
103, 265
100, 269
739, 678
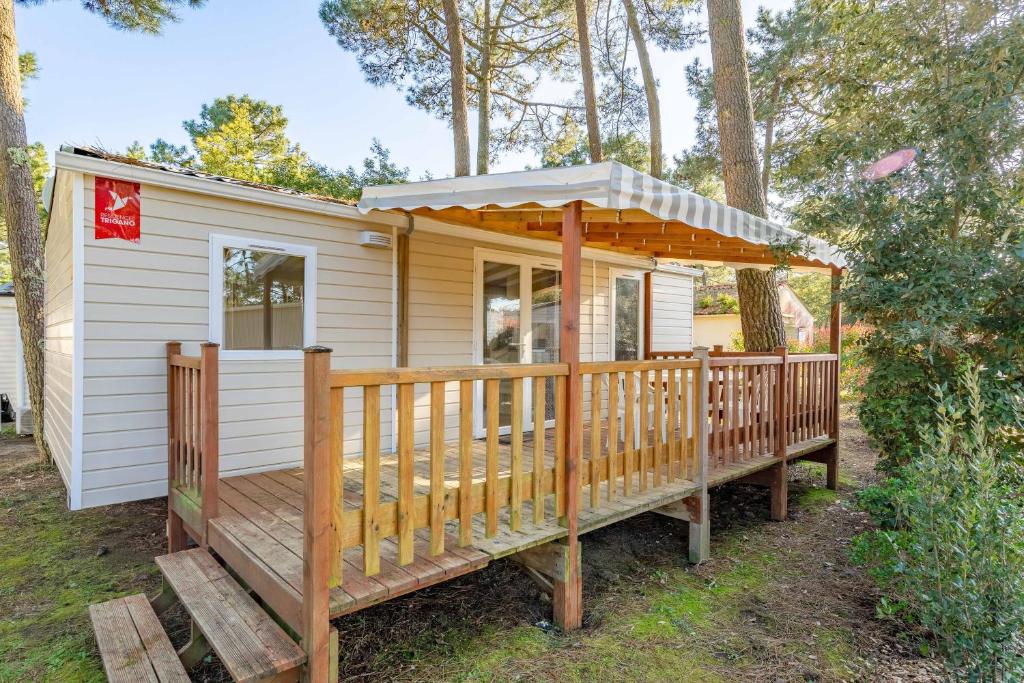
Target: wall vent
377, 240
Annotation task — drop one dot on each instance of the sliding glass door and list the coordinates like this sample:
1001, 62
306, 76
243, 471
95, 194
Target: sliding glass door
511, 332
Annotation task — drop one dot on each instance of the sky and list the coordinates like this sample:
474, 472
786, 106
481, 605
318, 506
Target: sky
98, 86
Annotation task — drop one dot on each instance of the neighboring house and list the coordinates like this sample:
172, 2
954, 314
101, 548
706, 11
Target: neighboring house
716, 318
265, 271
12, 363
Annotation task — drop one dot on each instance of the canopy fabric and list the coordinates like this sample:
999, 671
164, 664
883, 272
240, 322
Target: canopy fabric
607, 185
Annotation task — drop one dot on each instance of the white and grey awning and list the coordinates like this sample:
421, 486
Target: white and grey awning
608, 185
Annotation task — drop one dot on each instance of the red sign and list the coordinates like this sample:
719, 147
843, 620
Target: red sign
118, 210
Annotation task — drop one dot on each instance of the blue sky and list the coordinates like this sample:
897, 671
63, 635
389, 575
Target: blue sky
100, 86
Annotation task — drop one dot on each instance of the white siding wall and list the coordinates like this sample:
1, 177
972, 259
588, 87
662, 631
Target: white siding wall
139, 296
8, 348
672, 308
58, 316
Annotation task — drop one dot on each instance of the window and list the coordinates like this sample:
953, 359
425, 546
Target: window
262, 297
627, 325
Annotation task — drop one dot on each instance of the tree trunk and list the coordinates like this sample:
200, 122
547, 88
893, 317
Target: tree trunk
483, 131
587, 72
760, 314
650, 87
759, 292
460, 115
24, 239
769, 138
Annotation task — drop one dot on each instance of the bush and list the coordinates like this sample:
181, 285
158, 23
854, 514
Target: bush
951, 551
853, 370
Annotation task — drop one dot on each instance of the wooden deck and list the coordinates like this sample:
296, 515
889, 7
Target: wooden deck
260, 525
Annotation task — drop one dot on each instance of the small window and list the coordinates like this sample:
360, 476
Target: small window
262, 295
627, 326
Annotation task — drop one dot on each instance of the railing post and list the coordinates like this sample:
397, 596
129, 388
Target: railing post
209, 391
177, 539
780, 475
568, 593
317, 539
700, 512
835, 346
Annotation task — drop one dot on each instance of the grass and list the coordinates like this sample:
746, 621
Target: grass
777, 601
52, 566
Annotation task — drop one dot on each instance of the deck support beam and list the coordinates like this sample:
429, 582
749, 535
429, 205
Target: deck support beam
699, 506
568, 590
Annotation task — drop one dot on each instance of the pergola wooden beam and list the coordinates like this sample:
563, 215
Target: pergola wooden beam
630, 231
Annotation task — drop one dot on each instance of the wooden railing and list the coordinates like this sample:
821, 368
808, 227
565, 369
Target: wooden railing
744, 408
192, 442
448, 486
811, 391
644, 426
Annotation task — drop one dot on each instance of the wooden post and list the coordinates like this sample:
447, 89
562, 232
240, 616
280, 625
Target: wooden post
568, 590
317, 539
402, 299
718, 350
177, 539
780, 475
209, 390
835, 339
648, 314
700, 509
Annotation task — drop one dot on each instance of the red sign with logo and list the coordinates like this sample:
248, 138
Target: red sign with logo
118, 210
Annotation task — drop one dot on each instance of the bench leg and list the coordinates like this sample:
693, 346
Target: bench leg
196, 648
699, 509
165, 600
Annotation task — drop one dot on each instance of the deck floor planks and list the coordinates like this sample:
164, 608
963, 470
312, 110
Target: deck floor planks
263, 513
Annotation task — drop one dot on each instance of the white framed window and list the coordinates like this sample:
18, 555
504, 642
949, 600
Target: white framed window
626, 322
262, 297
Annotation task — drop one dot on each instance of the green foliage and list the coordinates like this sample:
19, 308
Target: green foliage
815, 291
728, 303
40, 170
245, 138
933, 249
706, 301
951, 549
630, 149
143, 16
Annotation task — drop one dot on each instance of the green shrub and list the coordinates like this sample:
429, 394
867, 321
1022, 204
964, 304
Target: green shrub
706, 301
728, 303
951, 551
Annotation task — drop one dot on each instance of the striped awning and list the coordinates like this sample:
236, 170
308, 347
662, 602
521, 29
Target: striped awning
608, 185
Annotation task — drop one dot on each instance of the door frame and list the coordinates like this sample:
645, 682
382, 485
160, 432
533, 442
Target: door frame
526, 263
630, 274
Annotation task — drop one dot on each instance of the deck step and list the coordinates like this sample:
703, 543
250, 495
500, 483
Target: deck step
133, 644
247, 640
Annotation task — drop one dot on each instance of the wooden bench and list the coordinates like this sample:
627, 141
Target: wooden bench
133, 644
248, 642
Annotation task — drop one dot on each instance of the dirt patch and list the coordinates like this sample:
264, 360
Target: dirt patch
777, 601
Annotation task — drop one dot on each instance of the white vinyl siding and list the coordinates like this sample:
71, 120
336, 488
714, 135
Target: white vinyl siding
672, 310
58, 315
139, 296
8, 348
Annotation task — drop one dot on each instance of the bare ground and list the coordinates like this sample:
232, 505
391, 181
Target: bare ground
777, 601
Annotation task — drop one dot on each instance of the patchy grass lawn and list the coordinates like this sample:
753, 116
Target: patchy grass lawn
777, 601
